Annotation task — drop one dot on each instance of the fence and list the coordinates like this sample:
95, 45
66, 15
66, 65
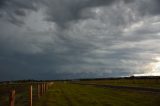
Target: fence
41, 89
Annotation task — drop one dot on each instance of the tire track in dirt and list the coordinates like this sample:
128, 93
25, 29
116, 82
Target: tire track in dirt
67, 98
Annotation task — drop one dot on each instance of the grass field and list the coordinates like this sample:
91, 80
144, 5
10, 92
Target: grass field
150, 83
68, 94
80, 95
22, 93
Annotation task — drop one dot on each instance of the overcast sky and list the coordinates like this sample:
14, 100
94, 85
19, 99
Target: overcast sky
60, 39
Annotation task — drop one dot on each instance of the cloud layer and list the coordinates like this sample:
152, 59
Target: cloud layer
55, 39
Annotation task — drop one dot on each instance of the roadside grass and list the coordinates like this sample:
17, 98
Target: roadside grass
150, 83
66, 94
22, 94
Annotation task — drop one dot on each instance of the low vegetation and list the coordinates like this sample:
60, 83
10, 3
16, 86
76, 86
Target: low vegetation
65, 93
150, 83
22, 93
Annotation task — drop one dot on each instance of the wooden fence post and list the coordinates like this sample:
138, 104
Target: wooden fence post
45, 87
38, 90
30, 96
12, 98
41, 89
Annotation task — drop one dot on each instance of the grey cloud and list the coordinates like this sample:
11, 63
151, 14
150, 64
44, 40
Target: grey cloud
3, 3
58, 11
20, 12
15, 10
65, 11
150, 7
79, 39
62, 12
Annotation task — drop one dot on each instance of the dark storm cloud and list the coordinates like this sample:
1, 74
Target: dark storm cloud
58, 39
3, 3
59, 11
149, 7
15, 10
62, 12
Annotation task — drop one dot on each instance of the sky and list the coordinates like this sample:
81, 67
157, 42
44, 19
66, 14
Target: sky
65, 39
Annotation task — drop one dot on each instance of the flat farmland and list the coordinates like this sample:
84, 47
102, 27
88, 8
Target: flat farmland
148, 83
68, 93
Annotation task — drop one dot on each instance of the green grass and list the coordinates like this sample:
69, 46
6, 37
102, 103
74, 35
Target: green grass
22, 91
61, 94
150, 83
67, 94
